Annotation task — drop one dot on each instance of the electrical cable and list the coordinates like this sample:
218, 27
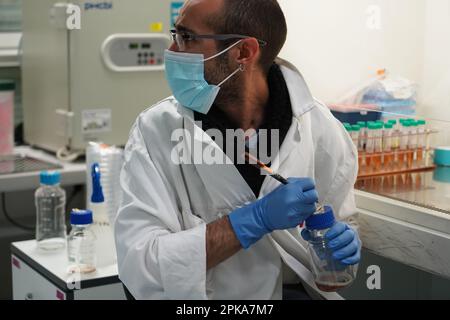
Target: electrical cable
11, 220
8, 217
66, 155
76, 189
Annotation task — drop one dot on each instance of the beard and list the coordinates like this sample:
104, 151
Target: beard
217, 71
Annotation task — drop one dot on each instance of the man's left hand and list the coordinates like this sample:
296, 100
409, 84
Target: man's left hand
343, 241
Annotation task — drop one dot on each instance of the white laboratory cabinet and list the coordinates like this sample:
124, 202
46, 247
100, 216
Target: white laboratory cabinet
40, 275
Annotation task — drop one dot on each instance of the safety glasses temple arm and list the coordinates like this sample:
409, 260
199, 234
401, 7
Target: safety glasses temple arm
262, 43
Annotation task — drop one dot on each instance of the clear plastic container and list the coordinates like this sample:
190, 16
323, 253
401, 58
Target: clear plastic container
363, 135
394, 133
50, 201
81, 243
356, 136
102, 228
6, 117
421, 141
329, 274
370, 146
110, 161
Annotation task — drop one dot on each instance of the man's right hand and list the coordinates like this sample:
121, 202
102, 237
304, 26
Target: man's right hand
284, 208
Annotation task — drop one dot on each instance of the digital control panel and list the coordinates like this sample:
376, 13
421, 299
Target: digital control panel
135, 52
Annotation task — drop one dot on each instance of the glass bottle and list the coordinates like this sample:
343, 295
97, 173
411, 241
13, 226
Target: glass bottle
50, 201
81, 243
329, 274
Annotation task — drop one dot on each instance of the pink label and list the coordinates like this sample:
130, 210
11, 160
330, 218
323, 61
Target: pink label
6, 123
59, 295
16, 263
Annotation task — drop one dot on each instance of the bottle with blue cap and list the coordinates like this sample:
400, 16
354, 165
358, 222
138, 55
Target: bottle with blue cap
81, 243
329, 274
50, 201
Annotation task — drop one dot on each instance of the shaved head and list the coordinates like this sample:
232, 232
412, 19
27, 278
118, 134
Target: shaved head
261, 19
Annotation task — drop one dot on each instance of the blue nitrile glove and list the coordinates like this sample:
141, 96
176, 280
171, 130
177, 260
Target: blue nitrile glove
343, 241
284, 208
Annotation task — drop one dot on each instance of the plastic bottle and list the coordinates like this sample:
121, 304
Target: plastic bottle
378, 146
370, 147
404, 138
348, 127
110, 160
81, 243
412, 143
388, 156
105, 246
357, 141
363, 140
395, 133
329, 274
50, 201
355, 134
421, 142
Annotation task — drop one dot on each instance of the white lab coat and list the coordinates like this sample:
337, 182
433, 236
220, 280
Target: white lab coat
161, 224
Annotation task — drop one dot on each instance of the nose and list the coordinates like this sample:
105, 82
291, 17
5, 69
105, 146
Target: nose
174, 47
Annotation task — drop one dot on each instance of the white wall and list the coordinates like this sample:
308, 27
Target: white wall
435, 97
329, 41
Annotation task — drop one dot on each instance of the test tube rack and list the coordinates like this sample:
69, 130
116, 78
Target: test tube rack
396, 160
389, 185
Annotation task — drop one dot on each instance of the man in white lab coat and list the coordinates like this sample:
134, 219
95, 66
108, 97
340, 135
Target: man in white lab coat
202, 230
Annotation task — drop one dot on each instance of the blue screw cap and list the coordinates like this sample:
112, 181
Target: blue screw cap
321, 221
81, 217
50, 178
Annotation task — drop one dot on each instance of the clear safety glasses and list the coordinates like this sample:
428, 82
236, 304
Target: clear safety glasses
182, 37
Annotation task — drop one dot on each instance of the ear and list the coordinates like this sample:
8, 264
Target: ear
249, 51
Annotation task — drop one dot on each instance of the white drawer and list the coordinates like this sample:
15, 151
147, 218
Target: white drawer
30, 285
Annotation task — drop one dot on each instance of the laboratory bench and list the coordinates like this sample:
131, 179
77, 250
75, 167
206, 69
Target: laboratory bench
404, 225
39, 275
407, 218
19, 178
21, 171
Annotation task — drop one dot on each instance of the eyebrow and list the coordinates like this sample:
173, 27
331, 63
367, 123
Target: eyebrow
179, 27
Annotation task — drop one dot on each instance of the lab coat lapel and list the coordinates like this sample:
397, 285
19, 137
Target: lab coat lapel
226, 187
301, 98
289, 160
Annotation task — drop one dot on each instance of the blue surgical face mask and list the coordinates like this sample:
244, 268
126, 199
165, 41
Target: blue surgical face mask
185, 73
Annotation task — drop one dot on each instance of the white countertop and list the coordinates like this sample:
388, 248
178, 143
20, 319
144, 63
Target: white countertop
55, 265
9, 49
71, 173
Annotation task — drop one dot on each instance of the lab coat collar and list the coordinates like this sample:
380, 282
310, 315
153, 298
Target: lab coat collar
301, 98
301, 101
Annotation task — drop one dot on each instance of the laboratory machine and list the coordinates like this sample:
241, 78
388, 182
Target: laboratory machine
90, 67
